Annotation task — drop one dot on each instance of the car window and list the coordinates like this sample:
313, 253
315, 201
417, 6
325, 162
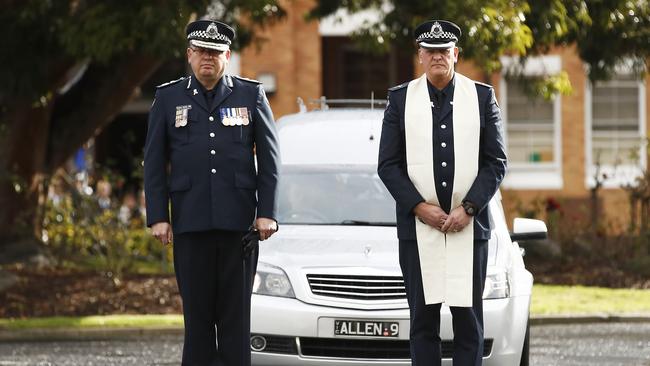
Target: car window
334, 195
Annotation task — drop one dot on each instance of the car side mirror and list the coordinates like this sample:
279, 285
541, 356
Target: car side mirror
528, 229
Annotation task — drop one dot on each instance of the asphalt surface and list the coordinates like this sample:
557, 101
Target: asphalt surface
608, 344
603, 344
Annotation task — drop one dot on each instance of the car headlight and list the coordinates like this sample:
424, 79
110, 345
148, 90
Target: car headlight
496, 286
271, 280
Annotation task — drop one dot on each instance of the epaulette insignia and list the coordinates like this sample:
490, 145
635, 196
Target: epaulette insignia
247, 79
398, 87
170, 83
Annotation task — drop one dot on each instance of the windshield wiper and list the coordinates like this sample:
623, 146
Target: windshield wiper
366, 223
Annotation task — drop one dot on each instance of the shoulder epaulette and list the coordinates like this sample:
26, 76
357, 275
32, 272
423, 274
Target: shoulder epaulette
398, 87
170, 83
247, 79
482, 84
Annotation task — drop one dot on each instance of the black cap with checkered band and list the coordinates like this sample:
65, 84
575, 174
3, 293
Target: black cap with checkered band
210, 34
437, 34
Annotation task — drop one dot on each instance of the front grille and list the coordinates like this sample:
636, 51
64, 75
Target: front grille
358, 287
277, 344
370, 348
355, 348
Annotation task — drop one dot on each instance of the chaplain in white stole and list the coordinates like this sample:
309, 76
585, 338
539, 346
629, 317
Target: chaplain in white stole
442, 161
446, 260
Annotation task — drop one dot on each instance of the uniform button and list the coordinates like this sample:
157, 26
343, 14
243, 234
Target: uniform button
443, 126
443, 144
212, 152
444, 184
211, 118
444, 164
211, 134
213, 171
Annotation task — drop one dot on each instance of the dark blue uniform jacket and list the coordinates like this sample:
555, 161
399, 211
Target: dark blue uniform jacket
206, 168
392, 166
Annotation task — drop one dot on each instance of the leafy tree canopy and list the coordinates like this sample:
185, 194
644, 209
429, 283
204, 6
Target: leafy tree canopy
605, 32
41, 39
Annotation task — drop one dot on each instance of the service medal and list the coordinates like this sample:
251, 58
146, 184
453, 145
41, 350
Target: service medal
238, 116
182, 112
245, 116
225, 116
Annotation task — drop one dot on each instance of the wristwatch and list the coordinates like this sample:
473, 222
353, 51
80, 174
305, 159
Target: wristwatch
469, 208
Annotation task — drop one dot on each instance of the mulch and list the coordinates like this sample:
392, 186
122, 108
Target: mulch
586, 274
55, 292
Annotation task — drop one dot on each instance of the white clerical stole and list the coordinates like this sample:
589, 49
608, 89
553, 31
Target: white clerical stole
446, 260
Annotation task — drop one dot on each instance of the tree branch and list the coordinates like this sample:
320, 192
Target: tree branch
94, 102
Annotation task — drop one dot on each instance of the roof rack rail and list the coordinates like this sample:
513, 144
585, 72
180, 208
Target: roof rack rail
325, 103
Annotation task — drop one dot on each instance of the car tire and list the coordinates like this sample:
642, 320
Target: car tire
525, 351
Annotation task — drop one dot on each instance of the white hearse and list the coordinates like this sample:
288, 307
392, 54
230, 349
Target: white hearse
329, 290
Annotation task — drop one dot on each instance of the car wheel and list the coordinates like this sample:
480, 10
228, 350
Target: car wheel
525, 351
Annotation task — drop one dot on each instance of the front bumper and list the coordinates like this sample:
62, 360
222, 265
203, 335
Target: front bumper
297, 330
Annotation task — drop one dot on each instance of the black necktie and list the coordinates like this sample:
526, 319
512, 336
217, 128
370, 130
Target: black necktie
209, 97
437, 99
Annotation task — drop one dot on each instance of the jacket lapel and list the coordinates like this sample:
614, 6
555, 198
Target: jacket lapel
223, 90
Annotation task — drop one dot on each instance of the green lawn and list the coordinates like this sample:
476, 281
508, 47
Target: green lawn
547, 300
552, 299
105, 321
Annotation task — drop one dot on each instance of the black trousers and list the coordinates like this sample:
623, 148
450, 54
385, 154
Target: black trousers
425, 319
215, 282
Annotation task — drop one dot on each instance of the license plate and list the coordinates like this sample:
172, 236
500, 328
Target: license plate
364, 328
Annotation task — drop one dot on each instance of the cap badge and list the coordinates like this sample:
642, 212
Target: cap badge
212, 31
436, 29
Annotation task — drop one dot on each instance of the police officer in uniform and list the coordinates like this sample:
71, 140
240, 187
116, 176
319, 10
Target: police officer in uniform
442, 157
205, 134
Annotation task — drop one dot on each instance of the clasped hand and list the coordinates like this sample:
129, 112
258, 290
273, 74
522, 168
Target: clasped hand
437, 218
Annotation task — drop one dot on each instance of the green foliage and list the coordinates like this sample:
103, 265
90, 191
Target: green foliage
547, 86
617, 31
77, 230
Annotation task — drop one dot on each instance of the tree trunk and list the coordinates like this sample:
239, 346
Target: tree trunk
40, 139
22, 161
94, 102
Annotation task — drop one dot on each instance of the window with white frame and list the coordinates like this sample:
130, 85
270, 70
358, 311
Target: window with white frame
533, 128
615, 122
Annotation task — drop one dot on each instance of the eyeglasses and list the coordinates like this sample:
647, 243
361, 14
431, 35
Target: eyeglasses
439, 51
206, 52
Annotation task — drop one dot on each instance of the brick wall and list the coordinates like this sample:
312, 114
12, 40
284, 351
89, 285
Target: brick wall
293, 54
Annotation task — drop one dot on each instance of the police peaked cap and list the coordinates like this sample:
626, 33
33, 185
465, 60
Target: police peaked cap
437, 34
210, 34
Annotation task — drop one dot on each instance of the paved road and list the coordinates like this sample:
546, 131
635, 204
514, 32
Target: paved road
613, 344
